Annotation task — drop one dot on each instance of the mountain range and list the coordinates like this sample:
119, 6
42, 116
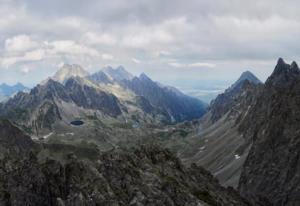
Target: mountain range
249, 137
7, 91
111, 138
112, 95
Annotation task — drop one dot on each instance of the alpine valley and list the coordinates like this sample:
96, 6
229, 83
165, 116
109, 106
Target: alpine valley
112, 138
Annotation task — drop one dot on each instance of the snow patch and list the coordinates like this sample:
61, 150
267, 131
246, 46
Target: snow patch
237, 156
48, 135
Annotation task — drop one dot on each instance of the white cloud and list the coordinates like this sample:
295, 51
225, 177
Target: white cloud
192, 65
202, 64
25, 70
148, 37
35, 55
70, 47
175, 64
107, 57
19, 43
193, 34
102, 39
137, 61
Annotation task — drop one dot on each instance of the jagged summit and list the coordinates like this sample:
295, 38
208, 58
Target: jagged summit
227, 100
247, 75
144, 77
118, 73
284, 74
283, 67
100, 77
271, 171
67, 71
280, 67
8, 90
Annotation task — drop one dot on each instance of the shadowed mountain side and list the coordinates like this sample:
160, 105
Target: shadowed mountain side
215, 141
272, 168
144, 176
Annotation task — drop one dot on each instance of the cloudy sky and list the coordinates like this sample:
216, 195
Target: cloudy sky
170, 40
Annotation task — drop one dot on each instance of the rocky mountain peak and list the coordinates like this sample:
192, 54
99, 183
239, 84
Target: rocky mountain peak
271, 171
144, 77
121, 68
100, 77
284, 68
67, 71
233, 96
284, 74
118, 73
247, 75
280, 67
8, 90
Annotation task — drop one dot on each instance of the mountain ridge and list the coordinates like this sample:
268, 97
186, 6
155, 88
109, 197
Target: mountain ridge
270, 172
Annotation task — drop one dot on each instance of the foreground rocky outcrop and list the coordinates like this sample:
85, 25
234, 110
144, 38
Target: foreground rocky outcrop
32, 174
271, 173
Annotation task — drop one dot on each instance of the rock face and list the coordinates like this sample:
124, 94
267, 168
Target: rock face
178, 106
215, 141
247, 75
91, 98
42, 107
117, 74
13, 142
271, 172
100, 77
145, 176
67, 71
225, 101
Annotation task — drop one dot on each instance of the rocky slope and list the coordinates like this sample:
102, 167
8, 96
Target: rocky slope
215, 141
144, 176
67, 71
178, 106
96, 108
43, 106
225, 101
271, 172
117, 74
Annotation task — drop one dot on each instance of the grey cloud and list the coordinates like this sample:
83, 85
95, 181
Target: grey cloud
150, 36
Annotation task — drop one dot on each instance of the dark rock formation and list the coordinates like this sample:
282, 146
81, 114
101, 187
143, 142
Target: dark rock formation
271, 172
91, 98
145, 176
225, 101
100, 77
